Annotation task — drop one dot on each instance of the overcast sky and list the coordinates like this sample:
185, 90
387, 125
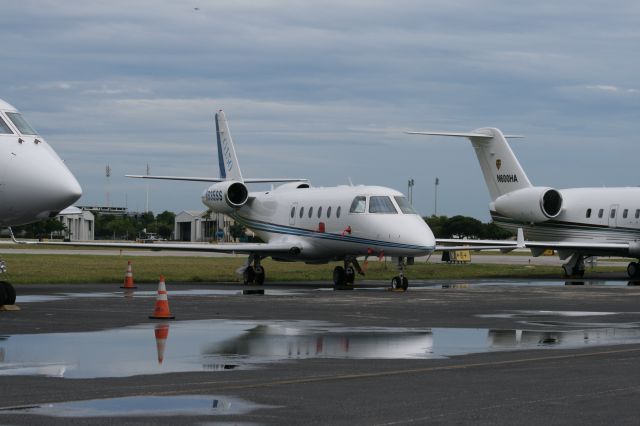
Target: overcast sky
324, 90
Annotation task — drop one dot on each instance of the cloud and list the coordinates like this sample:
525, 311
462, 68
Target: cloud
325, 88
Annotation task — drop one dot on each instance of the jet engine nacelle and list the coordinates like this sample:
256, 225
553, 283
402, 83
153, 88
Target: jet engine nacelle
225, 197
532, 205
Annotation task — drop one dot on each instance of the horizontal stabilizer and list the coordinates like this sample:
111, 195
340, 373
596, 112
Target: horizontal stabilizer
462, 135
212, 179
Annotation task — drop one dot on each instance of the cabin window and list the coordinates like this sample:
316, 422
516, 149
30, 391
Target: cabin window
319, 212
358, 205
625, 213
328, 212
378, 204
600, 213
405, 206
301, 212
637, 213
588, 213
22, 125
4, 128
293, 212
338, 211
310, 212
612, 214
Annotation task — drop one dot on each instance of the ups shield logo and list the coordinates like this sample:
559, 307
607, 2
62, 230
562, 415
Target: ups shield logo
498, 163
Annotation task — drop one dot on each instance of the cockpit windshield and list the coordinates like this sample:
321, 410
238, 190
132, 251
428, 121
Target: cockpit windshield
405, 206
380, 204
358, 205
18, 120
4, 128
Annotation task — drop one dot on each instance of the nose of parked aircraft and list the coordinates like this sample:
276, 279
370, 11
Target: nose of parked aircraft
52, 187
64, 188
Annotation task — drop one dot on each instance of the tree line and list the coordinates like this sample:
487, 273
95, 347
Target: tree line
465, 227
130, 227
108, 226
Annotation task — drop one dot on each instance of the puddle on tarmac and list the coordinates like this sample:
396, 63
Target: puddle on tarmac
223, 345
529, 283
151, 294
191, 405
529, 314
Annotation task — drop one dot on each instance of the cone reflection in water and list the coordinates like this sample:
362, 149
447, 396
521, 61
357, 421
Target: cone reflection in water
162, 333
128, 293
161, 310
128, 277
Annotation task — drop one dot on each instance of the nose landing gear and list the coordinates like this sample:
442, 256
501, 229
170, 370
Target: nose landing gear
400, 282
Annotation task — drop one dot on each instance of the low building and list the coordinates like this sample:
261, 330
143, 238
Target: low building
204, 226
79, 224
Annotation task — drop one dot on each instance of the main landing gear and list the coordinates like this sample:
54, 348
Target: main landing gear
400, 282
254, 272
575, 266
345, 276
633, 270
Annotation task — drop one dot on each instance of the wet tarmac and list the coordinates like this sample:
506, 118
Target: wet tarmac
482, 352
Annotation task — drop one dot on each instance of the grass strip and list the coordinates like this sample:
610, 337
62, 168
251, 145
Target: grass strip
78, 269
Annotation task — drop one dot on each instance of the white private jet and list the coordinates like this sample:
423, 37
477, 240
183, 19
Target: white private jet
577, 222
35, 183
302, 223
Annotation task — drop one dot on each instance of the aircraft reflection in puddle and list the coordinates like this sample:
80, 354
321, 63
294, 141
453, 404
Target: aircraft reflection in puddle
276, 342
221, 345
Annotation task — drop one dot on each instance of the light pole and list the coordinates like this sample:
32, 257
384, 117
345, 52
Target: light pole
146, 206
435, 203
410, 184
107, 173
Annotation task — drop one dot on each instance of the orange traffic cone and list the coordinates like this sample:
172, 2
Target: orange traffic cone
162, 303
162, 333
128, 277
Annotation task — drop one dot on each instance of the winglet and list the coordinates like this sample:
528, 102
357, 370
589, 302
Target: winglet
13, 237
520, 238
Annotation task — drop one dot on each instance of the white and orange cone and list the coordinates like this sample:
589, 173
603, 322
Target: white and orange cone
162, 333
128, 277
162, 303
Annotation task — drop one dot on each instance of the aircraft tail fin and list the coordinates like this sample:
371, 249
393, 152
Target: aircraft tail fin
501, 169
227, 159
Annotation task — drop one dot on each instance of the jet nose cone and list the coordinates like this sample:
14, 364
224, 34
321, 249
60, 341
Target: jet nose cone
58, 188
68, 190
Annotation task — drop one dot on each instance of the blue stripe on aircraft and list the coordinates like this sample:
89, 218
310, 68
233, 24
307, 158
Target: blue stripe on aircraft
300, 232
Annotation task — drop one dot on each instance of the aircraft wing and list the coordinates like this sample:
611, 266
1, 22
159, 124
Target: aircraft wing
566, 248
267, 249
212, 179
444, 244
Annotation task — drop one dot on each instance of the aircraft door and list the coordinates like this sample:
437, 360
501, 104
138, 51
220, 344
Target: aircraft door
613, 215
292, 214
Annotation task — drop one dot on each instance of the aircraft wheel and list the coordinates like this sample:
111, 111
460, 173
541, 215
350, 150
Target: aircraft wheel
633, 270
260, 275
249, 275
350, 275
396, 283
405, 283
4, 297
339, 276
7, 294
